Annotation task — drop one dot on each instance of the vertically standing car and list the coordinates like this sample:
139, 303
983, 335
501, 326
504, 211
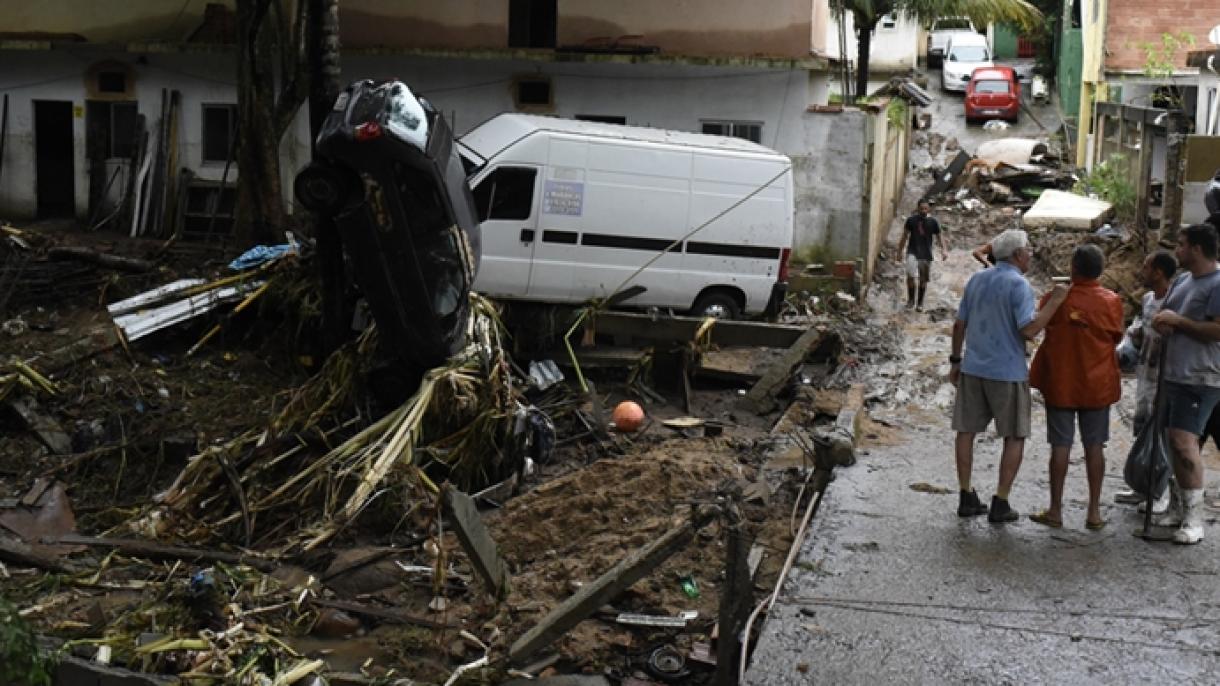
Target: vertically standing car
993, 93
389, 173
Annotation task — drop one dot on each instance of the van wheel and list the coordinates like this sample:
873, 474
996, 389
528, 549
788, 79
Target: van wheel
716, 304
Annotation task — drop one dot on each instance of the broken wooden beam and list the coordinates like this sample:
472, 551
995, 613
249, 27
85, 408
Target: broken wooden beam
476, 540
760, 399
391, 616
18, 552
82, 254
605, 588
43, 425
642, 327
846, 431
138, 548
736, 601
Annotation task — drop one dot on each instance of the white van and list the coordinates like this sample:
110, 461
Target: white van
964, 53
570, 210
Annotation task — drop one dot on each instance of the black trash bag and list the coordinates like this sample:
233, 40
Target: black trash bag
1148, 462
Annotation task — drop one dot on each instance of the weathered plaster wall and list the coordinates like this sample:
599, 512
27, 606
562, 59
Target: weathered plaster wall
59, 75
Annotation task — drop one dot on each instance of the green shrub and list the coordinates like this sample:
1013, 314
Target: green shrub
20, 660
1109, 182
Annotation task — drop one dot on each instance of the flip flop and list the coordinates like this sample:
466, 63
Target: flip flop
1044, 518
1095, 526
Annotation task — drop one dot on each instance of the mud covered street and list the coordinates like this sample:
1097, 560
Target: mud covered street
892, 587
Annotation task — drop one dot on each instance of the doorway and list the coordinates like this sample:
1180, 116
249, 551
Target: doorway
53, 165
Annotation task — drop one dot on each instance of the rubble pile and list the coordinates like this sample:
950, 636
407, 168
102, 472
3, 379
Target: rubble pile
189, 490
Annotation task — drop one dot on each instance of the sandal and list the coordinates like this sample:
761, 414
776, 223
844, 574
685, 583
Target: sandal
1095, 526
1044, 518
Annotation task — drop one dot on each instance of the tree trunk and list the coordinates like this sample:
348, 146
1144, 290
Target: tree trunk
329, 254
265, 110
864, 42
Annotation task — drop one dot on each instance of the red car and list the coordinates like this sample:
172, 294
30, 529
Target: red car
993, 93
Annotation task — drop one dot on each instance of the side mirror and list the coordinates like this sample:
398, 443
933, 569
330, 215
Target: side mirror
952, 58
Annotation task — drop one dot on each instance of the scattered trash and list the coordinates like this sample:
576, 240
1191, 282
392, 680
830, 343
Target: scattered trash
678, 622
925, 487
1067, 211
14, 327
667, 664
995, 125
545, 374
1013, 151
259, 255
1108, 231
689, 586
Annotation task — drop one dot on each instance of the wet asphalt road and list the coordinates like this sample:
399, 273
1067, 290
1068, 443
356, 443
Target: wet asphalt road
892, 587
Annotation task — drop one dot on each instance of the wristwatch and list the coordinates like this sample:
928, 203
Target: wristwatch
955, 359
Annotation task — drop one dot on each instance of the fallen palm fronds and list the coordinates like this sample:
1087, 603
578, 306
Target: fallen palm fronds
459, 425
18, 375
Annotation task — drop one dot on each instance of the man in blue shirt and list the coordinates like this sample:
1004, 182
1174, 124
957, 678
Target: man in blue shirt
995, 318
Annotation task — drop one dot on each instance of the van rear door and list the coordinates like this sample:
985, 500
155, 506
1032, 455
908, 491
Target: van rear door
506, 198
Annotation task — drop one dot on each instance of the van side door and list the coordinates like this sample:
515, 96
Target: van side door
506, 199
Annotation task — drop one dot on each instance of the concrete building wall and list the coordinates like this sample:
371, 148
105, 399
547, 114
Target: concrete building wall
786, 28
895, 45
30, 76
1132, 23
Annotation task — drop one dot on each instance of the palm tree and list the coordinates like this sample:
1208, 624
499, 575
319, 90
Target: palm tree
866, 14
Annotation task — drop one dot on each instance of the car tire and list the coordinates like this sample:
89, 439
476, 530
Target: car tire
324, 188
718, 304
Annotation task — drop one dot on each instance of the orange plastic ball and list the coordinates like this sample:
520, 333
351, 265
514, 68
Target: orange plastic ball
628, 416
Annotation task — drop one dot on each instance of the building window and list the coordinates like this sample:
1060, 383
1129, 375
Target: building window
113, 129
506, 193
602, 118
532, 23
887, 21
533, 93
111, 82
751, 131
219, 132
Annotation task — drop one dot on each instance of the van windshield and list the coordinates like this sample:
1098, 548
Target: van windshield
970, 53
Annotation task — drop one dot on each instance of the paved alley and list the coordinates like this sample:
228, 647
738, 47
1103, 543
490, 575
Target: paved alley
892, 587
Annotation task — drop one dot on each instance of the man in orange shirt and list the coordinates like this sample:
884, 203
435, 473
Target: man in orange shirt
1077, 371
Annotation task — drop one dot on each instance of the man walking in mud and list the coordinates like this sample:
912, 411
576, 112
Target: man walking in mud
1077, 371
915, 251
1190, 322
994, 319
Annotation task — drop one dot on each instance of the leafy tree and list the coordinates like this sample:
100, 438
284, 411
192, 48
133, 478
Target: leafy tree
867, 13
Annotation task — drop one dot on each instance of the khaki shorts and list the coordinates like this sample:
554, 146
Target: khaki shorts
981, 400
918, 268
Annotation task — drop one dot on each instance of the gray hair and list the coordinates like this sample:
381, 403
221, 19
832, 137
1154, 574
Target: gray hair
1005, 245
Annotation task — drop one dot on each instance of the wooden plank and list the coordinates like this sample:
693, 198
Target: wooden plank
605, 588
476, 540
761, 398
642, 327
156, 551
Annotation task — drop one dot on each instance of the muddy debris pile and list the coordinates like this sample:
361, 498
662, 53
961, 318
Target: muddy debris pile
193, 490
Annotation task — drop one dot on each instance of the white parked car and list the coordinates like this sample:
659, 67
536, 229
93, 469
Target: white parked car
940, 32
964, 53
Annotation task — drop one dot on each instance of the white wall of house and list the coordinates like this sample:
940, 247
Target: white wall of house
680, 97
60, 75
894, 47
